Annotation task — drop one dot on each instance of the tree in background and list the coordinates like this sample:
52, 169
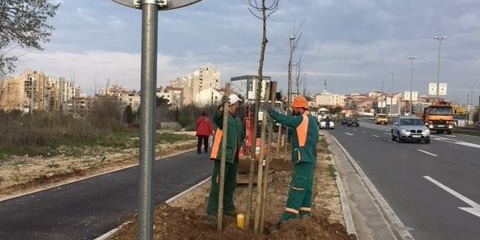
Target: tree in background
23, 23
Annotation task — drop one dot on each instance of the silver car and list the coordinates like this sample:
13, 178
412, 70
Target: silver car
410, 129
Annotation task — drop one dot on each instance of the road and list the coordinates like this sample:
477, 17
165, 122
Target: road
425, 184
89, 208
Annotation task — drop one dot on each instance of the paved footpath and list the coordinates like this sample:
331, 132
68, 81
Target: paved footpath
89, 208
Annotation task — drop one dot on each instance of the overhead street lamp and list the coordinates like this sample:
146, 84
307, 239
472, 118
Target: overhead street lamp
148, 74
440, 39
412, 58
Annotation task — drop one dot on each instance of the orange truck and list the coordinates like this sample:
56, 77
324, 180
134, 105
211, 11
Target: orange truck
439, 117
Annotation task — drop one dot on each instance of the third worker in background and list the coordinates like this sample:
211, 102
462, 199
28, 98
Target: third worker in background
304, 157
204, 130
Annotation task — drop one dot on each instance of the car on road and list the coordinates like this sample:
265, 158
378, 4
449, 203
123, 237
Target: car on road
381, 118
353, 122
324, 124
345, 121
410, 129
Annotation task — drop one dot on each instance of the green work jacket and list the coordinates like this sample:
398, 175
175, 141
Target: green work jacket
304, 135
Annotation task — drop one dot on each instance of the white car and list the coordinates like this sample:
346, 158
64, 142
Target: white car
324, 125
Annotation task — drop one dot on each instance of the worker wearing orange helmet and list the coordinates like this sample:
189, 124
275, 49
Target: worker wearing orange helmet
304, 157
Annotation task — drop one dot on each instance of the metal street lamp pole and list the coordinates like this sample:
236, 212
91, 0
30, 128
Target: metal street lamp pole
411, 81
467, 111
440, 39
148, 74
391, 96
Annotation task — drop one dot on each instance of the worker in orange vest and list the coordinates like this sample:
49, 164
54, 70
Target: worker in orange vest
304, 158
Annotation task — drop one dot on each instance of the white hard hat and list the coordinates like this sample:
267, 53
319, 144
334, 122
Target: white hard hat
233, 98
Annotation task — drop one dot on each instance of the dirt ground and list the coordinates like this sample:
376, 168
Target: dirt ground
185, 217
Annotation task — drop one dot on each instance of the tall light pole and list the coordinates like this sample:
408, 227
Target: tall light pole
412, 58
391, 97
467, 111
148, 80
440, 39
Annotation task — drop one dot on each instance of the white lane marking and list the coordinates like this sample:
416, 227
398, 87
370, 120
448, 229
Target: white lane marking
375, 136
458, 142
349, 134
429, 153
387, 133
364, 132
475, 207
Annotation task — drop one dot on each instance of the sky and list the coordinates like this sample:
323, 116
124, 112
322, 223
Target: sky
353, 45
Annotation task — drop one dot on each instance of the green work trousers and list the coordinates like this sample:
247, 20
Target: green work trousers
299, 202
230, 184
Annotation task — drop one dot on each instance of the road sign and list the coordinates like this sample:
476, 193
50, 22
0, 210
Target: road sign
162, 4
432, 89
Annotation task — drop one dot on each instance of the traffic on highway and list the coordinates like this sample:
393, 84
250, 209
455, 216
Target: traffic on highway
430, 190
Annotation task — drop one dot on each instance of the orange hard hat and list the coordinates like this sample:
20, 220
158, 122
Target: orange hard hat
300, 102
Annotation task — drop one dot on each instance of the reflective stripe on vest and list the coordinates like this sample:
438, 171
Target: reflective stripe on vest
302, 130
216, 144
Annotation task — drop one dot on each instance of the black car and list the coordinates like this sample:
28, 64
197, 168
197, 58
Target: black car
345, 121
353, 122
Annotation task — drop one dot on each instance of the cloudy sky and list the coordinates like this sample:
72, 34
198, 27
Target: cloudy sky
353, 44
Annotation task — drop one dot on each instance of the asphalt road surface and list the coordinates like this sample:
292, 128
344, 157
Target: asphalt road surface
89, 208
433, 188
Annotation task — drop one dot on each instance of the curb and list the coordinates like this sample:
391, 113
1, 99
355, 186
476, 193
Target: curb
347, 214
397, 227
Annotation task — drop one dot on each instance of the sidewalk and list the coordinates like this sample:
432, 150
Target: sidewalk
368, 219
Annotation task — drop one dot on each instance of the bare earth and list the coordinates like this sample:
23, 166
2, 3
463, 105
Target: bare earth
185, 217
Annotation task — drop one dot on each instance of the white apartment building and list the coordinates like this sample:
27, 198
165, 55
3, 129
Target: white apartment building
209, 96
201, 79
246, 86
173, 95
328, 99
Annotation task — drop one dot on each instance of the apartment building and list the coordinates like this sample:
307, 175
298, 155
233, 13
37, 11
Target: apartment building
126, 97
193, 84
329, 99
174, 95
35, 91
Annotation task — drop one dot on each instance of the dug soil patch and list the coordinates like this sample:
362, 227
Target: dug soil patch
185, 217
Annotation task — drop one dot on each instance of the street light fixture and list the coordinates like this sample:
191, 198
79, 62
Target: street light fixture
412, 58
440, 39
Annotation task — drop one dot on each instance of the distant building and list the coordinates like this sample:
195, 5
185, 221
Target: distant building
209, 96
328, 99
126, 97
35, 91
191, 85
246, 86
174, 95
